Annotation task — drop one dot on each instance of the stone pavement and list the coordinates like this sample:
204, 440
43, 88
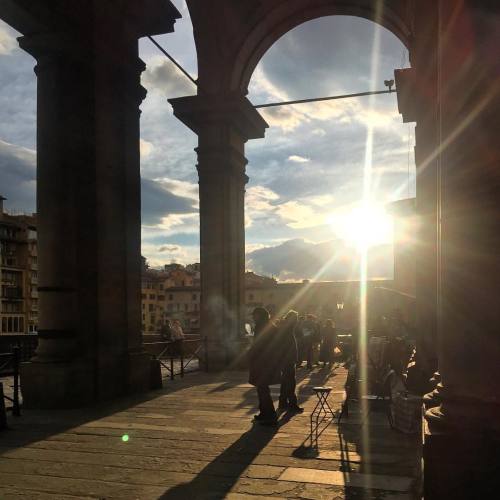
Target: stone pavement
195, 439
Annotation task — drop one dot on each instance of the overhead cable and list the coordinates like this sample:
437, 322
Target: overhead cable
164, 52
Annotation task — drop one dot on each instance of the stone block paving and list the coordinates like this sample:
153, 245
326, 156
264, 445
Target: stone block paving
195, 439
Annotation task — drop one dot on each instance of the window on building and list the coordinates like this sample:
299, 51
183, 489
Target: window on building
161, 286
143, 296
161, 297
194, 296
153, 318
151, 307
186, 307
178, 307
152, 296
170, 296
196, 307
143, 317
170, 307
250, 296
143, 305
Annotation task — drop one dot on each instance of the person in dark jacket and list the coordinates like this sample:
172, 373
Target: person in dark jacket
288, 344
264, 364
329, 341
311, 337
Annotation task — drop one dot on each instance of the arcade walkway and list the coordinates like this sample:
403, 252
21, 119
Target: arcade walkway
195, 440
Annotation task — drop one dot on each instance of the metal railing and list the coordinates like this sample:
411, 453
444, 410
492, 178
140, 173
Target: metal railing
27, 343
168, 351
9, 367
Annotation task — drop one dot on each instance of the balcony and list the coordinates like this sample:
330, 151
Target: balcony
15, 293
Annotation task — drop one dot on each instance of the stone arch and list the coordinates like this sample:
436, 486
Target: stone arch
281, 19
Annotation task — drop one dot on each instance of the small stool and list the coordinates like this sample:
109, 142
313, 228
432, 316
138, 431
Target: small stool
321, 410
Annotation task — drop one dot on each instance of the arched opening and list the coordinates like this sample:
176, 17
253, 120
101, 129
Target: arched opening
169, 188
321, 182
278, 21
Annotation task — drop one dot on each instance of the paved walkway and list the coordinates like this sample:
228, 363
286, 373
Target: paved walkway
194, 439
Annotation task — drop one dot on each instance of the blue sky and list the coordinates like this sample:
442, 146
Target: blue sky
304, 175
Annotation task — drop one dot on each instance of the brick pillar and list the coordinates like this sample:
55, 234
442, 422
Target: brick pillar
223, 125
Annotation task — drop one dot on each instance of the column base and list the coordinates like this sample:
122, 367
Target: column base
460, 465
141, 375
120, 375
78, 383
67, 384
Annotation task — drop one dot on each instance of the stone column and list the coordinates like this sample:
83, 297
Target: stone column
462, 439
423, 57
64, 108
88, 197
223, 125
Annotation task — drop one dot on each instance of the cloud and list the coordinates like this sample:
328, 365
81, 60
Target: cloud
161, 75
285, 117
298, 215
18, 177
159, 256
298, 159
8, 40
159, 204
318, 132
17, 92
170, 249
180, 188
329, 260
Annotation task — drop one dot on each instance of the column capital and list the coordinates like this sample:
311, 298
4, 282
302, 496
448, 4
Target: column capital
232, 109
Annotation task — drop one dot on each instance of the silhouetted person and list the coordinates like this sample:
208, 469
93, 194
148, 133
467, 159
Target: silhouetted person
288, 398
264, 364
310, 336
166, 330
299, 337
329, 341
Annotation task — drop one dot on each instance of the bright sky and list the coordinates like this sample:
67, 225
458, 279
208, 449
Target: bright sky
306, 177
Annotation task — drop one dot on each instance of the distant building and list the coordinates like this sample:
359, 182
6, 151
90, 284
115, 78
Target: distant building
18, 273
174, 292
164, 296
405, 251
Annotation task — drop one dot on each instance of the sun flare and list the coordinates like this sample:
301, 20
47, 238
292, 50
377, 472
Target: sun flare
363, 226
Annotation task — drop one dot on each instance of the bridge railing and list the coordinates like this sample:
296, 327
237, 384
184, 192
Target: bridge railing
185, 351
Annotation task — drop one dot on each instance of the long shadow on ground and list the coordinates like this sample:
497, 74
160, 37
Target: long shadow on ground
210, 483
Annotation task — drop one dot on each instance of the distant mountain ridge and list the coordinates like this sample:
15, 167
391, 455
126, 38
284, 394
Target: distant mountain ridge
328, 261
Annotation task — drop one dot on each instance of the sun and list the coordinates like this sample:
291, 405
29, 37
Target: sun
363, 226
